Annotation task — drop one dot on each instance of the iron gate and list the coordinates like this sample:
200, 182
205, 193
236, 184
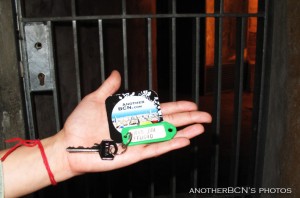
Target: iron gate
46, 92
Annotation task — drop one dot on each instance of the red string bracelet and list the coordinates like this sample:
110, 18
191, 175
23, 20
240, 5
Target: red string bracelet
30, 143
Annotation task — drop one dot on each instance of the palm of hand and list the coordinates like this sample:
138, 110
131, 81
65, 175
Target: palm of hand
88, 125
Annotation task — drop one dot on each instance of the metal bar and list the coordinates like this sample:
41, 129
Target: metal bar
173, 53
124, 9
196, 91
197, 61
101, 47
26, 84
173, 88
258, 139
73, 7
125, 61
173, 61
152, 187
76, 59
125, 56
109, 181
144, 16
238, 98
150, 86
217, 97
52, 70
18, 17
149, 41
124, 38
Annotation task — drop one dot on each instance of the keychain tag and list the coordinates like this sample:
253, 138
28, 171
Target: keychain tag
150, 133
131, 109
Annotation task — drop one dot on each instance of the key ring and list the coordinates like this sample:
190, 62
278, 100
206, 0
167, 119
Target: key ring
124, 146
113, 149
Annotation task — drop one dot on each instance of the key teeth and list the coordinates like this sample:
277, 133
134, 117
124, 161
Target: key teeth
70, 148
78, 147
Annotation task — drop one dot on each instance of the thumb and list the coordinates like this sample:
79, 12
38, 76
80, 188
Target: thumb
109, 86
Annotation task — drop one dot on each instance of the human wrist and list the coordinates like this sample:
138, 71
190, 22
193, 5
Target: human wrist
57, 157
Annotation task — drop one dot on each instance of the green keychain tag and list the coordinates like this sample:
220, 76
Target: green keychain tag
149, 133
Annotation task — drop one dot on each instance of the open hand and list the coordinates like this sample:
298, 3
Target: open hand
88, 125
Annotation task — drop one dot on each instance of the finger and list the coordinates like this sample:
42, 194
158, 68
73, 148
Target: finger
109, 86
190, 131
186, 118
178, 106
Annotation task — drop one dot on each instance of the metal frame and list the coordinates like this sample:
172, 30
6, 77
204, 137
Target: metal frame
262, 15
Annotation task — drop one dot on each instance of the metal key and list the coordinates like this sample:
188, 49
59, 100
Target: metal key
107, 149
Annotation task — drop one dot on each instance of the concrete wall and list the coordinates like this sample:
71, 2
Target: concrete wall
281, 161
290, 161
11, 113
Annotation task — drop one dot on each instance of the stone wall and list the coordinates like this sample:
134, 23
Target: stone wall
11, 112
281, 157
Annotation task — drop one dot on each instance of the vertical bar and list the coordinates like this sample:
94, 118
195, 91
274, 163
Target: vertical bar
52, 70
258, 139
196, 91
125, 61
18, 17
101, 47
73, 7
238, 97
196, 77
109, 188
123, 7
26, 83
76, 57
218, 87
173, 52
152, 185
149, 41
150, 86
173, 87
125, 58
124, 37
